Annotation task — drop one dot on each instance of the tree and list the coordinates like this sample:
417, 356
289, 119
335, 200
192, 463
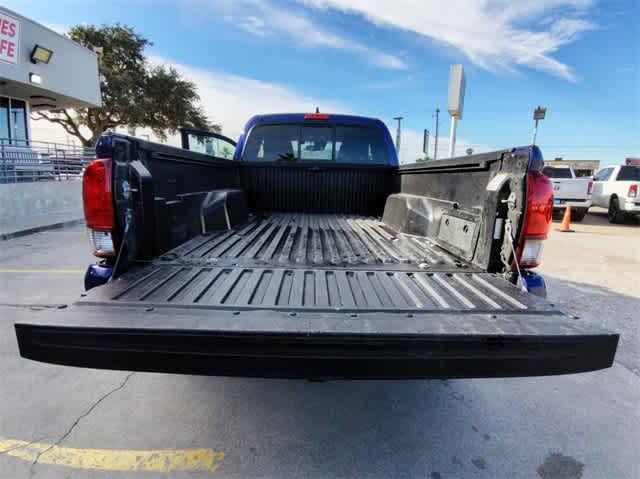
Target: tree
226, 152
134, 93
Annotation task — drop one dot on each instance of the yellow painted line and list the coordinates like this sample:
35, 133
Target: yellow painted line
114, 459
41, 271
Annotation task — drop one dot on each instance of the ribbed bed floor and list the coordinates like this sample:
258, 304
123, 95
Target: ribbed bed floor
313, 262
314, 240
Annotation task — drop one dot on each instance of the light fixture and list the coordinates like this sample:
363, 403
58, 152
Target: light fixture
40, 54
35, 78
539, 113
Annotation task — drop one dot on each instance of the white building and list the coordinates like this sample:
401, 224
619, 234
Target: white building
40, 70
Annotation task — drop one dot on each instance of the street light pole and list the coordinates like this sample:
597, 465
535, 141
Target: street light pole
425, 144
435, 150
538, 114
398, 132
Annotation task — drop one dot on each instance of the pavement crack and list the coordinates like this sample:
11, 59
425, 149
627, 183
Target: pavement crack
77, 421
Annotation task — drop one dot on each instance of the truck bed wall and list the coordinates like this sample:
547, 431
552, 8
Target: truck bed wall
447, 201
450, 202
318, 189
170, 186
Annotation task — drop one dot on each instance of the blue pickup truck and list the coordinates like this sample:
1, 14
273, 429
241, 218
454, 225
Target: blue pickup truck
306, 251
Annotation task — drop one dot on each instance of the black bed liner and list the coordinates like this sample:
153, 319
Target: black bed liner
295, 240
314, 289
314, 262
315, 296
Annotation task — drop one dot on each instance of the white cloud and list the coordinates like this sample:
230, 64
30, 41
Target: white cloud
227, 99
411, 145
232, 99
266, 20
494, 34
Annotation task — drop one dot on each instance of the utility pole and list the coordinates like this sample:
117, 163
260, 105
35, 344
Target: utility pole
435, 150
398, 133
425, 144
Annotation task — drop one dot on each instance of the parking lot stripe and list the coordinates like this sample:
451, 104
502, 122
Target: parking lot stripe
40, 271
113, 459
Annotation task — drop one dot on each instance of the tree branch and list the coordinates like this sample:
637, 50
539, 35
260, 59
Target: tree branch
67, 123
59, 121
74, 126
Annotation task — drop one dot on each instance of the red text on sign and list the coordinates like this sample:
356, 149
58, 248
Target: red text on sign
7, 28
7, 48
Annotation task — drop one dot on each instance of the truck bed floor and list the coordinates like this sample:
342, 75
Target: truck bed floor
298, 240
312, 263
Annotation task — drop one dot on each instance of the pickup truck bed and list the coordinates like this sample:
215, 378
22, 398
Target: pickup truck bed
324, 240
316, 268
314, 296
316, 262
319, 262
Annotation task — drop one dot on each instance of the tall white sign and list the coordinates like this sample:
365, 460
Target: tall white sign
457, 84
455, 103
9, 39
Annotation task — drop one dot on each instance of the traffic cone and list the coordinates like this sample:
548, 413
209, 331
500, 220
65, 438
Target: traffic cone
565, 227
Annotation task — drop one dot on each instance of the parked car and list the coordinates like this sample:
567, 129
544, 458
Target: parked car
312, 254
617, 189
569, 190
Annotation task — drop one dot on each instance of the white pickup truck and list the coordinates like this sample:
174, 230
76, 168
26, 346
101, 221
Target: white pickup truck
617, 188
569, 190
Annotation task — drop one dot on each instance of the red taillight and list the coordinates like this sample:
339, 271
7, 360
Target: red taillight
96, 195
633, 191
590, 188
317, 116
98, 205
537, 219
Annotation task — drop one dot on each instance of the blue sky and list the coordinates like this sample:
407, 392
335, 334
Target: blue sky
579, 58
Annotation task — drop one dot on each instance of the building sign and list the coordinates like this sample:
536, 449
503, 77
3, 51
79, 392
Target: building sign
9, 38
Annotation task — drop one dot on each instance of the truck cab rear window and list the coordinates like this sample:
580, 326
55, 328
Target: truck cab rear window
629, 173
338, 143
316, 143
557, 172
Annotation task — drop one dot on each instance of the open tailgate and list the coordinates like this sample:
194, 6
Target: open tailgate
475, 325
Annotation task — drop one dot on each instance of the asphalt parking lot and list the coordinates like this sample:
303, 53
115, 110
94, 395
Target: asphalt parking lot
62, 422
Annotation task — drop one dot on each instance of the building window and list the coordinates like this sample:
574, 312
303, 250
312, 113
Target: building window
13, 121
19, 121
4, 118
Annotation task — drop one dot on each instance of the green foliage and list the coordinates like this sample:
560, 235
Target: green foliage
227, 152
134, 93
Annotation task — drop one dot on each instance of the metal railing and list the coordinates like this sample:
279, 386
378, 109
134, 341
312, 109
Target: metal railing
28, 160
